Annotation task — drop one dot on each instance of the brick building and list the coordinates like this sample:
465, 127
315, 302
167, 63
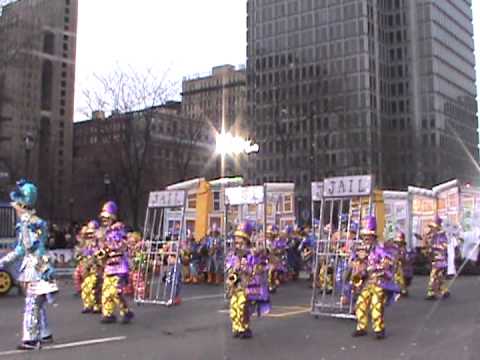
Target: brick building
124, 156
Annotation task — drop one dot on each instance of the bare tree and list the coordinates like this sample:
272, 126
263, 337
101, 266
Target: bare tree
131, 96
186, 140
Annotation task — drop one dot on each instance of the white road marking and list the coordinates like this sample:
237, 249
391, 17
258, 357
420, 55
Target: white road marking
68, 345
293, 310
203, 297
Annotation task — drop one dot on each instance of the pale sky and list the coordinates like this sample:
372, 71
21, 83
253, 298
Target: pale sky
183, 37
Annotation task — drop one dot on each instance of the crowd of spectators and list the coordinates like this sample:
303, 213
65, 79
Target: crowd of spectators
62, 237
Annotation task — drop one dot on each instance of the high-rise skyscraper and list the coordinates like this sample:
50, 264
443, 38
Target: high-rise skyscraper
37, 76
347, 87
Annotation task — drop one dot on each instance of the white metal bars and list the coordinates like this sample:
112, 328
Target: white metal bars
160, 268
344, 203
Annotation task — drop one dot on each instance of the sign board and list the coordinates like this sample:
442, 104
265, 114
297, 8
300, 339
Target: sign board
348, 186
244, 195
396, 212
167, 198
317, 190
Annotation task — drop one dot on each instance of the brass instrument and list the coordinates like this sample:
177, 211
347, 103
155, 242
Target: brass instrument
357, 280
230, 282
101, 254
357, 276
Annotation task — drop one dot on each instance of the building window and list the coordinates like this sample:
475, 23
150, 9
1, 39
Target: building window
192, 201
216, 201
49, 43
46, 96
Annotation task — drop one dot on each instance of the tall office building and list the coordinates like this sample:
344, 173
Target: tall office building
37, 75
348, 87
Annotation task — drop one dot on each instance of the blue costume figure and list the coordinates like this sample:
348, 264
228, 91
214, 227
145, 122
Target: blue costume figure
307, 253
293, 254
173, 280
195, 260
36, 273
215, 256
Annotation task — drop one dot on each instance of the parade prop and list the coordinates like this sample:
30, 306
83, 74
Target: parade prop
339, 205
161, 269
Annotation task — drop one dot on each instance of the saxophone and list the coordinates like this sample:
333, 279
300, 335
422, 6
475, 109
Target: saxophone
231, 282
357, 277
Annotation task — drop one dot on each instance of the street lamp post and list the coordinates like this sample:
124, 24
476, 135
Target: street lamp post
227, 144
29, 143
106, 182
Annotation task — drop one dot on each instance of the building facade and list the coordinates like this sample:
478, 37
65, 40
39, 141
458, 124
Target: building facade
125, 156
37, 76
346, 87
219, 98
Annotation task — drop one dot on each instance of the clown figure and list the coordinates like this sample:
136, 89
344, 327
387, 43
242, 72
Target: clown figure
35, 271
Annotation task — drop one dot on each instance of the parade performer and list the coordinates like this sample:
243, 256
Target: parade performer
272, 235
89, 261
436, 248
137, 284
204, 258
247, 285
78, 253
215, 256
378, 288
195, 260
355, 274
343, 253
325, 272
173, 277
108, 216
294, 260
185, 256
401, 263
115, 275
307, 252
36, 272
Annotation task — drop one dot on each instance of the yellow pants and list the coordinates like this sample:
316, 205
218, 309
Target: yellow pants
238, 311
88, 294
325, 279
370, 300
436, 283
112, 297
400, 279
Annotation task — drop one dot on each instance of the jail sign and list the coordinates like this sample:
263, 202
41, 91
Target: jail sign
167, 198
347, 186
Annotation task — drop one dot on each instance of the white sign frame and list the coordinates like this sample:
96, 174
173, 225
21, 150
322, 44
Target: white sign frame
244, 195
167, 199
317, 190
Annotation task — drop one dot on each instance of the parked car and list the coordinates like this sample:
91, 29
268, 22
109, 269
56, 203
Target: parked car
9, 273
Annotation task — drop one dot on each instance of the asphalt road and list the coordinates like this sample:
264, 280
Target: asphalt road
199, 329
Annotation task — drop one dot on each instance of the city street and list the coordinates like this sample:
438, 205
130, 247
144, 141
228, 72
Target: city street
199, 329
